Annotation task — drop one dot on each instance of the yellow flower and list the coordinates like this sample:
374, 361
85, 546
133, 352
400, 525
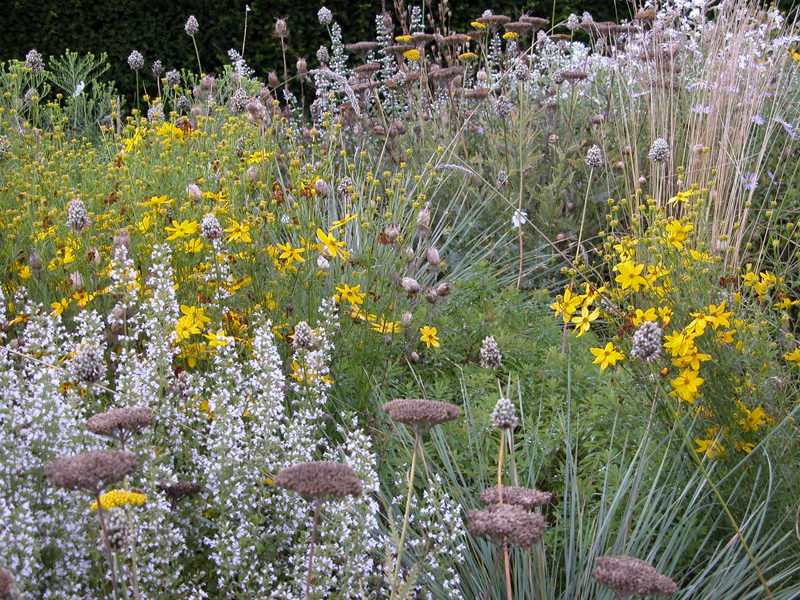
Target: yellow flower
429, 336
238, 232
403, 38
606, 356
642, 316
133, 141
725, 337
81, 298
116, 498
191, 322
678, 343
630, 275
467, 56
692, 358
710, 447
352, 294
478, 25
676, 233
751, 419
566, 306
216, 339
347, 218
583, 322
144, 225
412, 54
386, 326
681, 197
193, 246
181, 229
290, 254
794, 355
25, 272
59, 307
686, 385
258, 157
157, 201
510, 35
331, 244
746, 447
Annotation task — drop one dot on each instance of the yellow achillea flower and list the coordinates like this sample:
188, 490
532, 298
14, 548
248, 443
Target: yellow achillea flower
403, 38
116, 498
510, 35
429, 336
412, 54
467, 56
478, 25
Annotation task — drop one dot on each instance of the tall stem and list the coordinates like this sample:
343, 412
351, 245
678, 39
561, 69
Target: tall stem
506, 558
583, 215
197, 54
107, 546
403, 533
317, 503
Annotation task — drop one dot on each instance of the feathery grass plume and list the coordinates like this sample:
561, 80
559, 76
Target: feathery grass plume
506, 521
91, 470
518, 496
646, 344
490, 353
629, 576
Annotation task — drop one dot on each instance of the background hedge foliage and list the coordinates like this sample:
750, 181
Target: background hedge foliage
156, 28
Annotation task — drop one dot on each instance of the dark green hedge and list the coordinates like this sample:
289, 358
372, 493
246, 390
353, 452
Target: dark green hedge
156, 28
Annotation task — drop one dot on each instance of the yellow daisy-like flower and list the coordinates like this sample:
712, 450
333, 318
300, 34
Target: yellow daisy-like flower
385, 326
412, 54
333, 246
630, 275
429, 336
290, 254
686, 385
238, 232
606, 356
59, 307
353, 295
711, 447
116, 498
182, 229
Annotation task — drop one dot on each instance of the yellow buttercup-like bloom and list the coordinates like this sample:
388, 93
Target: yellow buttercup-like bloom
116, 498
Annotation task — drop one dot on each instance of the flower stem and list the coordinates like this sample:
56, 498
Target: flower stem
506, 558
317, 503
107, 546
403, 533
197, 54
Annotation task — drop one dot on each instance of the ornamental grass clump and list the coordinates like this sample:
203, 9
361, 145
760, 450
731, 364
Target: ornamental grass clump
318, 480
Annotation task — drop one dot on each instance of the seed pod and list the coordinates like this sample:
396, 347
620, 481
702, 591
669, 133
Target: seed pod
322, 263
321, 188
35, 260
122, 239
570, 206
302, 66
410, 285
409, 253
194, 191
392, 233
272, 78
76, 280
407, 319
444, 289
252, 173
281, 28
431, 296
433, 257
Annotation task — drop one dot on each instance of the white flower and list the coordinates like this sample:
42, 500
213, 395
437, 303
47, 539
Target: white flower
519, 219
78, 89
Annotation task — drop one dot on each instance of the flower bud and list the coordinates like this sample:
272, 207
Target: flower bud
433, 257
410, 285
392, 233
407, 319
252, 172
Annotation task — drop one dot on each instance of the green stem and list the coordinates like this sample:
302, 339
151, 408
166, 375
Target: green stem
403, 533
583, 215
197, 54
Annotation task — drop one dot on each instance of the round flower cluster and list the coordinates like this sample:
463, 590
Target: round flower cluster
323, 56
303, 336
77, 216
210, 227
504, 415
659, 151
136, 60
518, 496
490, 354
325, 16
192, 26
158, 68
499, 521
319, 479
594, 157
34, 62
117, 498
87, 364
647, 342
173, 78
630, 576
239, 101
119, 535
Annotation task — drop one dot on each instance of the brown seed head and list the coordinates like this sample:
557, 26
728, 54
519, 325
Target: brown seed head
518, 27
6, 581
522, 528
113, 421
91, 470
518, 496
421, 414
455, 39
361, 47
320, 478
493, 20
627, 575
180, 490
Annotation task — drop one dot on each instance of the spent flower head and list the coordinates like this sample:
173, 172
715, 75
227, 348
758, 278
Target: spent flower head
500, 521
659, 151
91, 470
518, 496
136, 60
319, 479
421, 414
192, 26
630, 576
594, 157
504, 415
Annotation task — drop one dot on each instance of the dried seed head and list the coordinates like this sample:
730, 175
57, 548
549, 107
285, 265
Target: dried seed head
157, 68
433, 256
627, 575
392, 233
173, 78
500, 521
493, 19
409, 285
180, 490
319, 479
659, 152
420, 414
444, 289
77, 215
647, 342
8, 590
325, 16
239, 101
504, 415
210, 227
192, 26
136, 60
518, 496
594, 157
35, 260
321, 188
303, 336
490, 354
88, 364
272, 79
302, 66
281, 29
323, 56
119, 533
114, 421
34, 62
431, 296
91, 470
